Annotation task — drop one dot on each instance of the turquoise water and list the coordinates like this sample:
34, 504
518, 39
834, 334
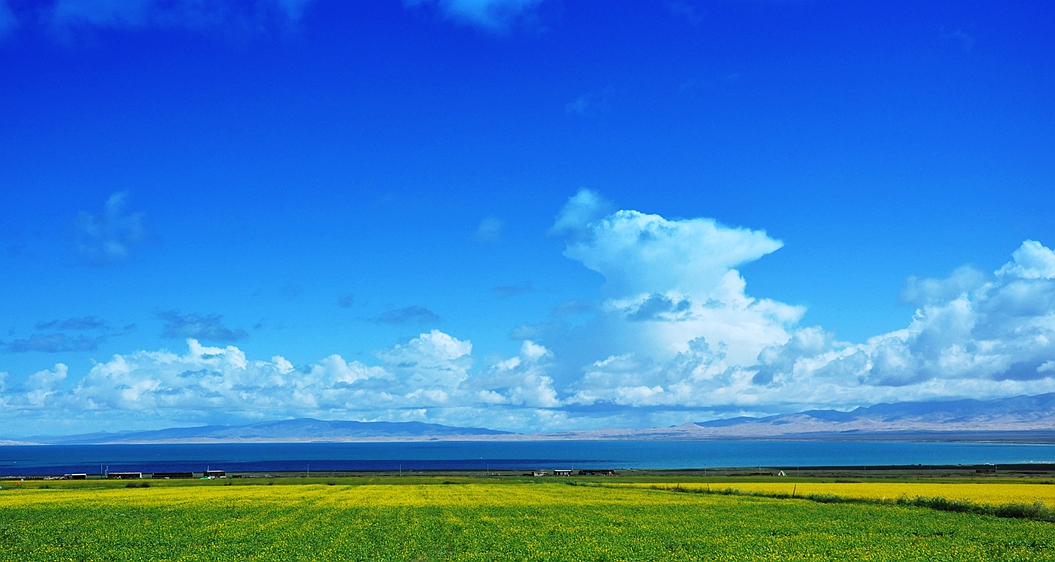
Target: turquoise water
521, 455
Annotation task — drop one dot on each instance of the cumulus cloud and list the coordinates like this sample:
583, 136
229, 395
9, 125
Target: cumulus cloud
969, 338
432, 362
636, 252
1030, 261
408, 315
207, 327
677, 329
519, 381
178, 13
428, 377
201, 380
667, 283
111, 236
490, 14
974, 335
42, 385
698, 377
674, 336
962, 281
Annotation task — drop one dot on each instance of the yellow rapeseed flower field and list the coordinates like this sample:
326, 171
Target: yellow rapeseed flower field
481, 520
983, 493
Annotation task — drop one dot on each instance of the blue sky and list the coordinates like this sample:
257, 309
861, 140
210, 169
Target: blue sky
519, 214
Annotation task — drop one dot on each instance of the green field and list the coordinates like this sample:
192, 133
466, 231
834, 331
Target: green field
480, 519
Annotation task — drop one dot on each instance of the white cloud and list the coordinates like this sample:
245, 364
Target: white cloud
427, 378
432, 360
1030, 261
202, 381
984, 337
43, 384
677, 328
491, 14
639, 253
675, 337
667, 283
963, 281
519, 381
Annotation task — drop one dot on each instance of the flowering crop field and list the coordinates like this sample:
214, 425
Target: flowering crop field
485, 520
990, 493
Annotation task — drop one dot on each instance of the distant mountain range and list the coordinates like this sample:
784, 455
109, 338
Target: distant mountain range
1022, 418
298, 430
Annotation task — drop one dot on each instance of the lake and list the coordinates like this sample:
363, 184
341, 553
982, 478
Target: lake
517, 455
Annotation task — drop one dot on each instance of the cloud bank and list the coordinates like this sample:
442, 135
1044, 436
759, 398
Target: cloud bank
677, 328
674, 337
431, 372
974, 335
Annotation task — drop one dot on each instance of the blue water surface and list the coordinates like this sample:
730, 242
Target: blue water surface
519, 455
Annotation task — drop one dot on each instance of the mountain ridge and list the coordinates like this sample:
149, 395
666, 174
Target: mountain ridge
277, 431
1019, 419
